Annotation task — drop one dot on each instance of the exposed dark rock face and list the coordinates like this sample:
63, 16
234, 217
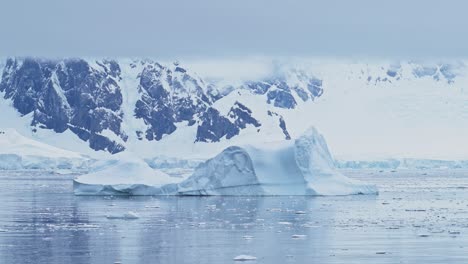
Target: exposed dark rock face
282, 124
280, 93
214, 126
242, 116
169, 97
87, 97
68, 94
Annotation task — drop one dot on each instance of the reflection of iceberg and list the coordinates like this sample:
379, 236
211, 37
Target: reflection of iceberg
302, 167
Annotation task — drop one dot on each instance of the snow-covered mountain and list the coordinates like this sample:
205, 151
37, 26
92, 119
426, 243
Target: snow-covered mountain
168, 109
109, 104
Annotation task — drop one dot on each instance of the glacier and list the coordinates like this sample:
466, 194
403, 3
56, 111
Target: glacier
18, 152
301, 167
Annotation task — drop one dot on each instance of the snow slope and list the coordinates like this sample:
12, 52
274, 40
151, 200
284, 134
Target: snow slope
374, 109
19, 152
302, 167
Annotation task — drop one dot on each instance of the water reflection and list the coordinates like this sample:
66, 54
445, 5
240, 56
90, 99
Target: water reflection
42, 222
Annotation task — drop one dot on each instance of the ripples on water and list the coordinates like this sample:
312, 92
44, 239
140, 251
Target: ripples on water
419, 217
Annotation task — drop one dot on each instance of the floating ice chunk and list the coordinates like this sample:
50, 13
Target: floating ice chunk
127, 216
151, 206
274, 210
126, 175
244, 258
298, 236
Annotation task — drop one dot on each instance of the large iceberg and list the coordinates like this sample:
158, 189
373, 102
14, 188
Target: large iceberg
301, 167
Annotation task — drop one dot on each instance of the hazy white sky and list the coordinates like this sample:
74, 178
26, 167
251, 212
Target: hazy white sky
216, 29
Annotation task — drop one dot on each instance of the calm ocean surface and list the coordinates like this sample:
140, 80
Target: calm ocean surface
419, 217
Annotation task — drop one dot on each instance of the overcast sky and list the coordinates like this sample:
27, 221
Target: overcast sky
216, 28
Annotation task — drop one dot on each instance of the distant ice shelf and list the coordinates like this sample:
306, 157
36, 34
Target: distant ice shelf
301, 167
402, 163
21, 153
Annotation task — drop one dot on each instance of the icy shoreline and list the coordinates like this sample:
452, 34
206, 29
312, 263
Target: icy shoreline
18, 152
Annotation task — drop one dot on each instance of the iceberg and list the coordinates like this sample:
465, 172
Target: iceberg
124, 175
301, 167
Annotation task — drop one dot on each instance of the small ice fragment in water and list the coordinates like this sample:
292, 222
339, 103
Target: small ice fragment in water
381, 253
454, 232
247, 237
274, 210
298, 236
300, 212
284, 223
127, 216
244, 258
310, 226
